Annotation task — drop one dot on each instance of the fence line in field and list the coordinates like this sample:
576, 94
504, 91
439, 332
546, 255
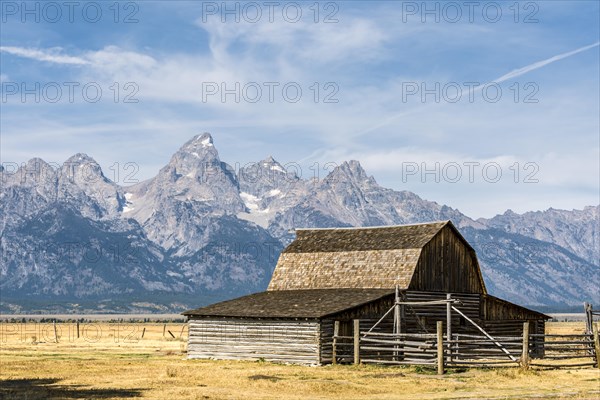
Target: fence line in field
76, 331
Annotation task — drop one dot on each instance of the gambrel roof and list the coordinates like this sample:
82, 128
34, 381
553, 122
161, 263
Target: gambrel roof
366, 258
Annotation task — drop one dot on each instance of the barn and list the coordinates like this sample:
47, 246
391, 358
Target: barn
331, 277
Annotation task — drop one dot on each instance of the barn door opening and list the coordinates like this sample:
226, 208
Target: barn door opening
342, 351
345, 328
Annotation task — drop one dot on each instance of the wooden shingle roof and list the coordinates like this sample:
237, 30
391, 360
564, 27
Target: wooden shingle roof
360, 239
368, 258
315, 303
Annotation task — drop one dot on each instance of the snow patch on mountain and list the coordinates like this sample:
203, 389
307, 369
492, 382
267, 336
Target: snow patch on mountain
250, 201
128, 207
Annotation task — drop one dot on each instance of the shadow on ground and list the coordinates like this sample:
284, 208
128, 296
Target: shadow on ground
50, 389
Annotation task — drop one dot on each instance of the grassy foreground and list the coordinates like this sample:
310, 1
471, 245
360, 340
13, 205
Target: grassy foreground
112, 361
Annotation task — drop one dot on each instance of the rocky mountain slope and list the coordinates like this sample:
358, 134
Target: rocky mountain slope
576, 230
200, 231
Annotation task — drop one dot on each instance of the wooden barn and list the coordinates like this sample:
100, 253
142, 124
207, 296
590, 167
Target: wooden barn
344, 274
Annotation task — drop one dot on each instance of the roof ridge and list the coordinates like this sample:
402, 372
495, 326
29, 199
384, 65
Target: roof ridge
373, 227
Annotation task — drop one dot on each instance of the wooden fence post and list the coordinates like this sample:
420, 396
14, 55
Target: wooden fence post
164, 329
456, 347
596, 344
77, 329
525, 353
336, 332
585, 310
181, 333
440, 348
357, 341
55, 335
449, 324
143, 332
397, 323
589, 319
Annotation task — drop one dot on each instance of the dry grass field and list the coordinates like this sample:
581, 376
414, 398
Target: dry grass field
111, 361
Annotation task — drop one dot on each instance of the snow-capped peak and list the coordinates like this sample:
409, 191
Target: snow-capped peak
205, 140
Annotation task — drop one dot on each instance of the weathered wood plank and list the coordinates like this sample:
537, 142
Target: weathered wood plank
294, 341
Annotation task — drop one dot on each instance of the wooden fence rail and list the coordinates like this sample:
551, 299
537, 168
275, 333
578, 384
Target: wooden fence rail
559, 351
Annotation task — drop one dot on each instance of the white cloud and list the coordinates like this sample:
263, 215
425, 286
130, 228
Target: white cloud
303, 42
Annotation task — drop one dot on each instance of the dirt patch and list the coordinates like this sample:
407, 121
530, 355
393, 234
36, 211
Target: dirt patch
264, 378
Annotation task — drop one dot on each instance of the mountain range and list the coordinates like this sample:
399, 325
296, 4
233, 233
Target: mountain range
72, 240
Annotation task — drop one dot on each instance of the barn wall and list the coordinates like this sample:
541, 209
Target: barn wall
368, 315
503, 318
293, 341
326, 341
447, 264
498, 309
346, 329
513, 327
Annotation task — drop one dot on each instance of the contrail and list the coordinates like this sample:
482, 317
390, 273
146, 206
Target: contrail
540, 64
512, 74
52, 55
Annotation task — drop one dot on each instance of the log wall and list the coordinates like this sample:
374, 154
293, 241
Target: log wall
286, 341
495, 309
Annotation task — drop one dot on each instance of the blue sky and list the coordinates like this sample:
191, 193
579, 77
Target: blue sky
528, 83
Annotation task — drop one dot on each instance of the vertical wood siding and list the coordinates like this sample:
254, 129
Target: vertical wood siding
447, 264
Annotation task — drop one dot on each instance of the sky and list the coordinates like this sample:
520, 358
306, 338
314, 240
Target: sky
482, 106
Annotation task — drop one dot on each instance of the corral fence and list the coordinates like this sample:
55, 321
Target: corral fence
561, 351
462, 350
